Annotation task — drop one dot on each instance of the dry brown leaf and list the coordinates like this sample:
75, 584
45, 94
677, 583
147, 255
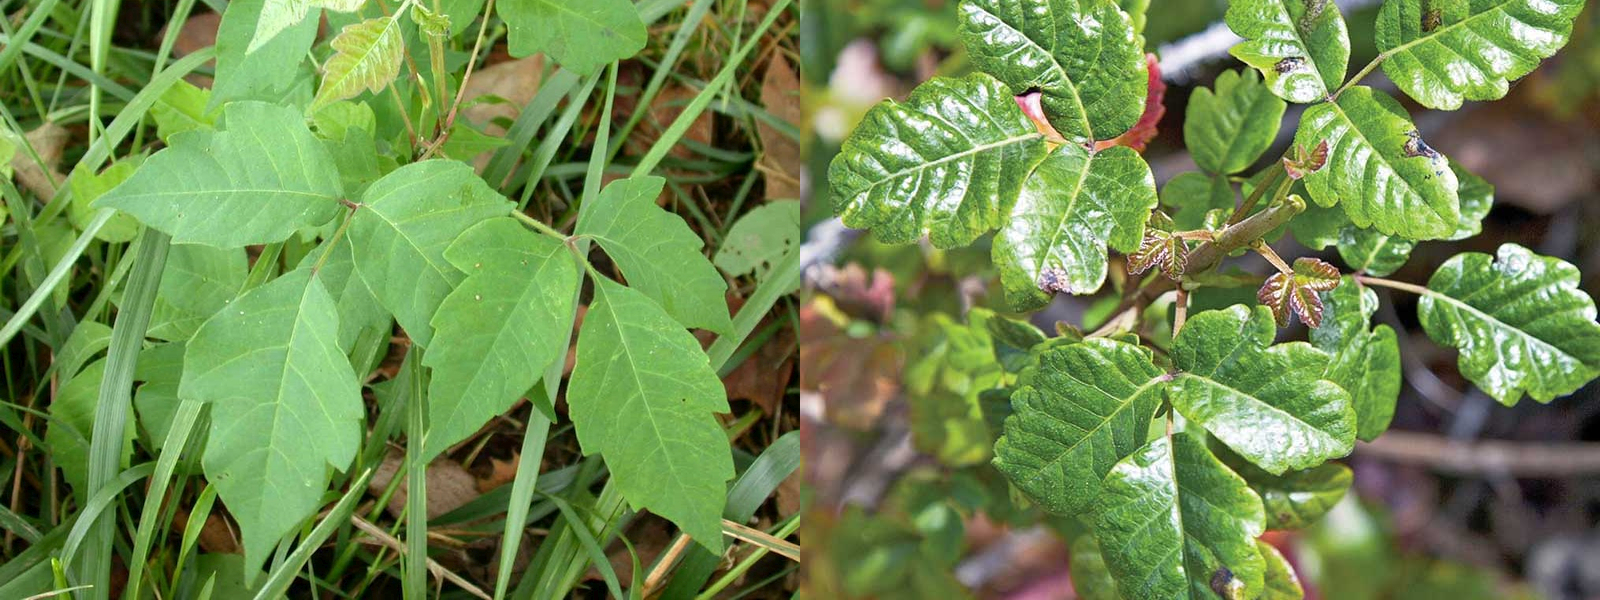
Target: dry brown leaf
501, 472
49, 141
515, 81
780, 160
764, 377
449, 485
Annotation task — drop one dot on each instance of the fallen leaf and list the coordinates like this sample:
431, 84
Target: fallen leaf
449, 485
501, 472
49, 141
199, 31
780, 159
854, 378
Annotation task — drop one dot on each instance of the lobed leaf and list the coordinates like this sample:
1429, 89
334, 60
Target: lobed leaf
582, 36
1267, 402
1301, 47
1441, 53
1174, 522
1082, 409
495, 333
657, 252
1192, 194
1082, 55
257, 181
399, 235
366, 56
643, 394
268, 71
1295, 499
947, 163
1227, 130
1519, 320
1072, 207
1366, 363
1379, 169
286, 405
760, 239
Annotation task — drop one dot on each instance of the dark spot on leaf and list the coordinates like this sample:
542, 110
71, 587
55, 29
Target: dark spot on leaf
1431, 19
1222, 582
1290, 64
1416, 147
1054, 280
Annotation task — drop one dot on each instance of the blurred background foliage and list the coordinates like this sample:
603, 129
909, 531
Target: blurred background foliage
1453, 504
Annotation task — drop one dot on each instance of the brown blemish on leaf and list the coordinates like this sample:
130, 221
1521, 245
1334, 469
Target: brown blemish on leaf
1223, 582
1431, 19
1290, 64
1054, 280
1415, 147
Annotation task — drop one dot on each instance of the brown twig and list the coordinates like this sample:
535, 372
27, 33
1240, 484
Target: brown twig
1520, 459
383, 538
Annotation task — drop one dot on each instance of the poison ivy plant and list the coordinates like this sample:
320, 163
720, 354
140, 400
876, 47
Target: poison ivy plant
1190, 420
323, 228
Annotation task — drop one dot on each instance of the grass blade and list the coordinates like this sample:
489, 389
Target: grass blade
416, 571
183, 425
278, 581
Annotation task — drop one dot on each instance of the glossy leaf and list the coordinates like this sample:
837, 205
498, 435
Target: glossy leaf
286, 406
1301, 48
1519, 320
1379, 168
657, 252
1281, 583
257, 181
1477, 197
1365, 362
583, 36
946, 163
1174, 520
1071, 208
1443, 53
1296, 292
1371, 252
497, 331
1082, 409
399, 235
366, 57
1082, 55
1227, 130
1267, 402
1296, 499
643, 395
277, 15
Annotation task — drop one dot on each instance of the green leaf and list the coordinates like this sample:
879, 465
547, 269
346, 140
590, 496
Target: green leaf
360, 313
1090, 577
1300, 47
277, 15
197, 282
88, 187
947, 163
497, 331
657, 252
334, 120
643, 395
366, 56
255, 182
1073, 205
1192, 194
183, 107
1082, 409
160, 369
759, 239
72, 413
399, 235
1227, 130
1477, 197
1174, 522
1082, 55
1136, 10
1281, 583
286, 406
1379, 168
1371, 252
1366, 363
267, 72
1441, 53
1519, 320
582, 36
1293, 500
1268, 403
88, 340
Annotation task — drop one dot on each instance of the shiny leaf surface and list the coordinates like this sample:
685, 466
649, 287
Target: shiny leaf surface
1229, 128
1365, 362
1301, 52
1443, 53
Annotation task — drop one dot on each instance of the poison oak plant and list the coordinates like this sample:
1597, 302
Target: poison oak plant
317, 195
1180, 449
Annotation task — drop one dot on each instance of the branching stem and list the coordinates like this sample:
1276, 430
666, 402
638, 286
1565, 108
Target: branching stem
1362, 74
1271, 255
1395, 285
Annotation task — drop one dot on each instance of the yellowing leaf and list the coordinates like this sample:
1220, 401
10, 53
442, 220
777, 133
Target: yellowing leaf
366, 57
